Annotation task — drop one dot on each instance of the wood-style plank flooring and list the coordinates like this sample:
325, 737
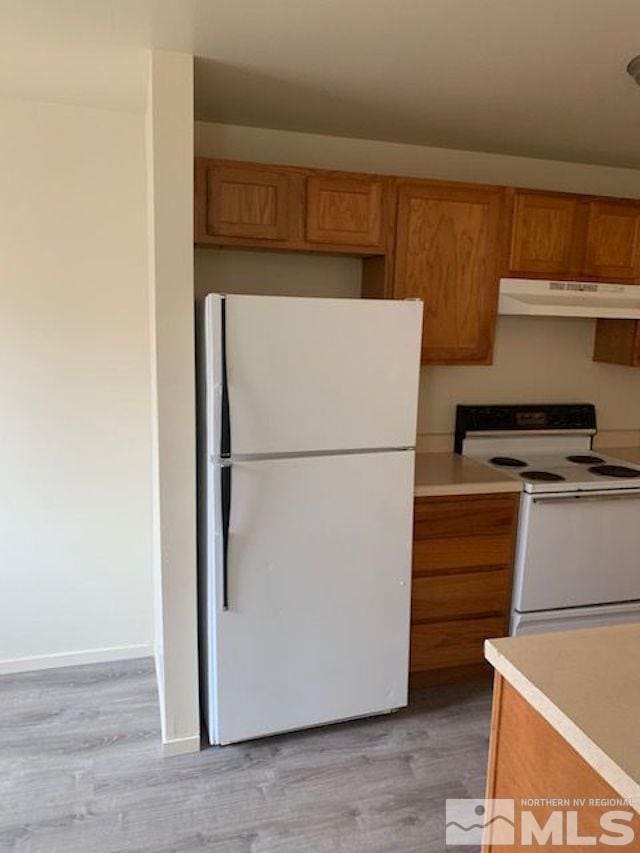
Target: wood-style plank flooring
81, 770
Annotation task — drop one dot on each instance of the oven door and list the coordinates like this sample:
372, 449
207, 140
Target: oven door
577, 549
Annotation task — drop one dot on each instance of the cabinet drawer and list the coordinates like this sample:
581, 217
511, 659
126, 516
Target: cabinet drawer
461, 552
467, 594
449, 644
464, 516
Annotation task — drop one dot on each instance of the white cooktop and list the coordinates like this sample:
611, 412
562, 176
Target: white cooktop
576, 476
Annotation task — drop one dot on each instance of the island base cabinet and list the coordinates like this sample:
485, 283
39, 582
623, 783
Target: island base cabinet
528, 761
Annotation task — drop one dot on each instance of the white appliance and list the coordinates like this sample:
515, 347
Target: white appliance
578, 542
308, 410
536, 297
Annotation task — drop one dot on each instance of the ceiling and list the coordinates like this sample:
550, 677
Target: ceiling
541, 78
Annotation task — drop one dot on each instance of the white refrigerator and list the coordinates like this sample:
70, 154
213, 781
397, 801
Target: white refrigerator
308, 422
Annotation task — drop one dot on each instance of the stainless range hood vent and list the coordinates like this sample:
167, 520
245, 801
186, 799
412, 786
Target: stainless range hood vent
533, 297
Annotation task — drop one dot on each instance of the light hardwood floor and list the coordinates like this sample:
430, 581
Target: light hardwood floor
80, 770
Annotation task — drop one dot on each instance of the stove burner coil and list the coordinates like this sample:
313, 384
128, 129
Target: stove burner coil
508, 462
614, 471
585, 460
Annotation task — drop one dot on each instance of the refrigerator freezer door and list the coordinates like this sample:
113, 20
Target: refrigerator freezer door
308, 375
319, 571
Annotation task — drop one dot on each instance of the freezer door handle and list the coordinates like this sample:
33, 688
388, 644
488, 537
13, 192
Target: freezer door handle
225, 483
225, 415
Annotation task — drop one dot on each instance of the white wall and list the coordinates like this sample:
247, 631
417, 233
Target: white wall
170, 163
535, 359
75, 513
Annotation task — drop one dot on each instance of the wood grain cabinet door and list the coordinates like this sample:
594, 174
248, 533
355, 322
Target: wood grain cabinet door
448, 248
248, 201
543, 234
612, 247
617, 342
344, 211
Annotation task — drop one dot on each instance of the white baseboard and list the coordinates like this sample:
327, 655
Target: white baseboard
179, 746
57, 659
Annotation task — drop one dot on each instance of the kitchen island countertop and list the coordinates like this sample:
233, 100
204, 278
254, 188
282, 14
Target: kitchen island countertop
586, 685
628, 454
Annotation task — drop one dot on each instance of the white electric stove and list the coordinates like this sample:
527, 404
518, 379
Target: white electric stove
577, 561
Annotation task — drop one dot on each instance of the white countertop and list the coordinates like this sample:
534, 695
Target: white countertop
628, 454
452, 474
586, 685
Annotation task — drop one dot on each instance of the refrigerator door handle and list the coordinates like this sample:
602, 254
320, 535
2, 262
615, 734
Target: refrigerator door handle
225, 419
225, 483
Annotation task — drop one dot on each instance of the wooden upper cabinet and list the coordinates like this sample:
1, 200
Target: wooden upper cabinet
617, 342
543, 234
289, 208
575, 237
612, 241
249, 201
448, 251
344, 211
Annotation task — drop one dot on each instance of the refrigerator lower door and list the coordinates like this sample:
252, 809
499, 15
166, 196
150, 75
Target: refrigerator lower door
574, 617
317, 593
308, 375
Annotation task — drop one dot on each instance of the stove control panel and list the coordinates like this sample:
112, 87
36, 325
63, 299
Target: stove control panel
544, 416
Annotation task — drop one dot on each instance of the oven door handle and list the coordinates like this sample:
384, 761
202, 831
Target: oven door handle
586, 496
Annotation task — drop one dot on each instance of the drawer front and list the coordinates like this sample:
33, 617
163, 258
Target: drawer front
449, 644
461, 552
464, 516
467, 594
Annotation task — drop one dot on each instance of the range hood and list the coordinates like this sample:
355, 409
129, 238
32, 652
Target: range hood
533, 297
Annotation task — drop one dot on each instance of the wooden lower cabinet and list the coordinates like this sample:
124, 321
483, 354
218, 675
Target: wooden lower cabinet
441, 645
461, 590
529, 760
463, 594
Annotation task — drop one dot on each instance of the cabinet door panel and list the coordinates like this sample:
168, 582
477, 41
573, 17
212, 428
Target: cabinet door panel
543, 233
612, 240
447, 254
344, 211
248, 202
617, 342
